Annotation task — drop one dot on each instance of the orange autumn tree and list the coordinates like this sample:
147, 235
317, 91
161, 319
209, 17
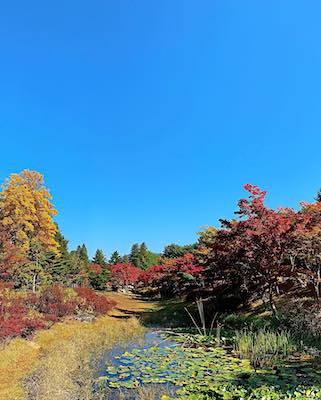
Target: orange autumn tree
26, 211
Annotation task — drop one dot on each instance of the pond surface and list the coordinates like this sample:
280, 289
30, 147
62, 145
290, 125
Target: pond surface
113, 362
153, 366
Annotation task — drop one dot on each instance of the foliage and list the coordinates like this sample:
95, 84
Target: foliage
54, 301
175, 250
175, 276
23, 313
15, 319
99, 303
263, 348
141, 257
26, 210
124, 275
115, 258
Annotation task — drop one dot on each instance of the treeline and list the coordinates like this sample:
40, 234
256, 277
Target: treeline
262, 252
34, 252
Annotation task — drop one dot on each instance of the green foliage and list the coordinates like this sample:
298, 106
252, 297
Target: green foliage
100, 258
263, 348
175, 250
141, 257
115, 258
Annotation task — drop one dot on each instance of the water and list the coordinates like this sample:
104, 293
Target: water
152, 338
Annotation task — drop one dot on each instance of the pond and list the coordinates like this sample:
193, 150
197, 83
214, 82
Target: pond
118, 376
193, 367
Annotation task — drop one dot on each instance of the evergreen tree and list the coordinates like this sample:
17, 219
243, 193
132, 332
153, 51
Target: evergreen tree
147, 258
100, 258
134, 256
125, 259
83, 254
115, 258
61, 267
175, 250
98, 271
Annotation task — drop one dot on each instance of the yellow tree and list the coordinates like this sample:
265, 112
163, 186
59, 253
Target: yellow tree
26, 211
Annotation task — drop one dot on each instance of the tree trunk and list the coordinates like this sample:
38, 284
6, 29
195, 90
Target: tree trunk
317, 285
34, 279
271, 301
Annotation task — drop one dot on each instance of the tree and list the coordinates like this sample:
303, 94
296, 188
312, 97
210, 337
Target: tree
98, 271
11, 257
100, 258
141, 257
134, 256
36, 270
176, 276
174, 250
60, 266
80, 264
306, 246
26, 211
253, 252
124, 275
125, 259
318, 196
115, 258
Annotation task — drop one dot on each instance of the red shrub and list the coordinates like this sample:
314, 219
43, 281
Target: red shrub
98, 302
53, 301
14, 320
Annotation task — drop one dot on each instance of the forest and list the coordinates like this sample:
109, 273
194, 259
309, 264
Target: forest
239, 308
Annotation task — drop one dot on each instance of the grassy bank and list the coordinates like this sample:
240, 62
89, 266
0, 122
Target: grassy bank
59, 361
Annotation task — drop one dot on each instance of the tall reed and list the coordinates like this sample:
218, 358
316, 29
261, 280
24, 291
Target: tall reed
263, 348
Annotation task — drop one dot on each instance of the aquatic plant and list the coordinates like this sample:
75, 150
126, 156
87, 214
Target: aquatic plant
204, 372
263, 348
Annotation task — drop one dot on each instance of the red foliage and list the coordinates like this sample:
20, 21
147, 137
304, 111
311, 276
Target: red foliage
14, 320
53, 301
95, 269
98, 302
175, 276
124, 274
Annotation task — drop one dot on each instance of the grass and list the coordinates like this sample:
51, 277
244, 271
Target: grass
263, 348
54, 352
67, 371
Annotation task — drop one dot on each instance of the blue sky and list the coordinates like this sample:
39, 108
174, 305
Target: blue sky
147, 117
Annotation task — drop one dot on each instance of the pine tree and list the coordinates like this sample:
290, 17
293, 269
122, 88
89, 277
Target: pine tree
125, 259
115, 258
134, 256
100, 258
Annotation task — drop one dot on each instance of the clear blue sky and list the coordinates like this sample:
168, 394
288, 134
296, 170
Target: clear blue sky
147, 117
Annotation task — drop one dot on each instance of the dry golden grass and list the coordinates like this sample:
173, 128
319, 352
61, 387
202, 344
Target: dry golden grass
61, 356
127, 304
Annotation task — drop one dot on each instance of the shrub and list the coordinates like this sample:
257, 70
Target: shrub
15, 319
99, 303
54, 301
302, 318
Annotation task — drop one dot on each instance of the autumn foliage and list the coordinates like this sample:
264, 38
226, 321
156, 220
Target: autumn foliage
124, 275
23, 313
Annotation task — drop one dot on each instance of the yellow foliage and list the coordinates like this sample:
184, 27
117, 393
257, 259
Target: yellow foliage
26, 210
